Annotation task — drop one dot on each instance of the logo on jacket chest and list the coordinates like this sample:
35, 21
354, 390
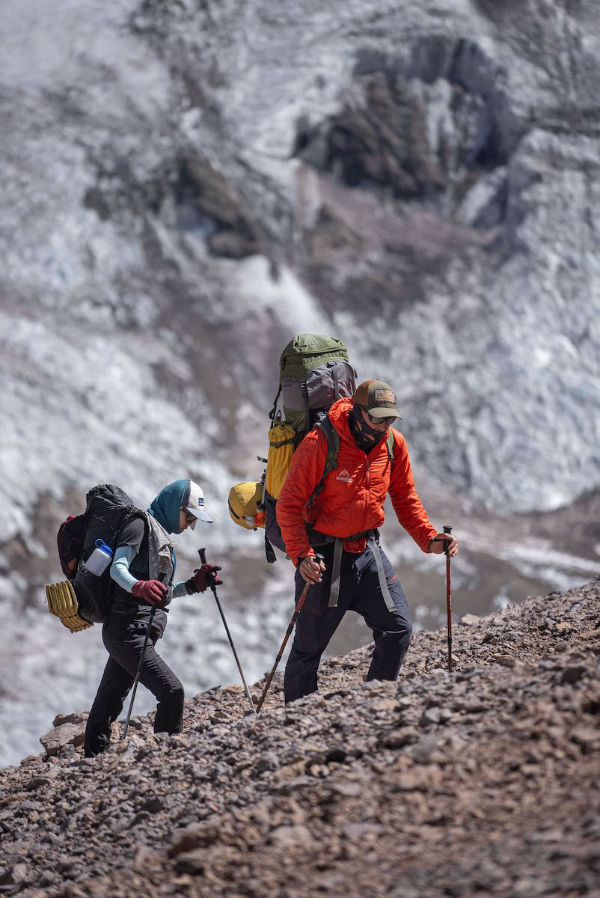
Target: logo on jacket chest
345, 476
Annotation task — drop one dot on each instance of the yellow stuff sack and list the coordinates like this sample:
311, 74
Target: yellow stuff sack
282, 442
62, 602
245, 504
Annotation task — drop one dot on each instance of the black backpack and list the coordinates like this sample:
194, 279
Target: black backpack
108, 509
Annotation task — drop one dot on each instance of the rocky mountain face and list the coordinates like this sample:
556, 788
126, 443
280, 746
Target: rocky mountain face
187, 185
483, 781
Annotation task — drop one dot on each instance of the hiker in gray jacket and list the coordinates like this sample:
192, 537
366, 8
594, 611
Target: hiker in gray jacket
142, 572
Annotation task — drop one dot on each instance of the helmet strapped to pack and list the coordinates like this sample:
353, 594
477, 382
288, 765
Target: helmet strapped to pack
245, 504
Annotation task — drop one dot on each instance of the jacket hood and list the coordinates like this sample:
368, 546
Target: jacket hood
169, 502
338, 415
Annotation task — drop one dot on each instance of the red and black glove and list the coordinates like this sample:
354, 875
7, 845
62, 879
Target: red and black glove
153, 592
205, 576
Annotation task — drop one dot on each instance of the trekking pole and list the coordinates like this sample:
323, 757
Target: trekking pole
202, 554
291, 626
137, 676
448, 529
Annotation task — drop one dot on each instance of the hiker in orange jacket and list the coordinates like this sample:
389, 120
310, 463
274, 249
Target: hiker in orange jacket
340, 518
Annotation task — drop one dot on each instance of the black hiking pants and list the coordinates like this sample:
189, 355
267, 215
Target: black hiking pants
360, 591
124, 641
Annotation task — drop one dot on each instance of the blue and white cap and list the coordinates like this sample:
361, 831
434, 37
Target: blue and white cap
193, 501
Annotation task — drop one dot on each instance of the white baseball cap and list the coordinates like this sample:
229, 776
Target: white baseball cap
194, 503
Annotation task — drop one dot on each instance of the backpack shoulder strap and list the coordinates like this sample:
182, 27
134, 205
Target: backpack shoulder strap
390, 446
333, 450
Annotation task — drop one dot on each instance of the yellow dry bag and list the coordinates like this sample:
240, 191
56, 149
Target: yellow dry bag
282, 442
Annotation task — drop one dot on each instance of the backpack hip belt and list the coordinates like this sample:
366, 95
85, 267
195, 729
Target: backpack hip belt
338, 550
318, 539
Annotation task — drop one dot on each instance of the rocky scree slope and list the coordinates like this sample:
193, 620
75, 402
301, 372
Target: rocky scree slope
480, 782
188, 184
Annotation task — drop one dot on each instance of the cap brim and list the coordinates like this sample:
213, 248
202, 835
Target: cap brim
384, 412
200, 514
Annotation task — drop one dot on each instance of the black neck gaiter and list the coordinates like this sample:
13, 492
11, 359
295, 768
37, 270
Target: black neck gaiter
366, 437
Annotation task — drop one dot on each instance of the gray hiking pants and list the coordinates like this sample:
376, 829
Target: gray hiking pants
124, 641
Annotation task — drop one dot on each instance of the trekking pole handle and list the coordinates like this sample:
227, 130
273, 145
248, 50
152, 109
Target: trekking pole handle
447, 529
202, 554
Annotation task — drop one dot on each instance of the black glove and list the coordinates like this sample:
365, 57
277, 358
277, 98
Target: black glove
204, 576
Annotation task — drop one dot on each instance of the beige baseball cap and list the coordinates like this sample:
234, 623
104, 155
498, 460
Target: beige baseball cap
377, 398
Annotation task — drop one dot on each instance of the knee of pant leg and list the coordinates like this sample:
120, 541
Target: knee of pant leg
176, 694
405, 632
168, 686
399, 636
171, 694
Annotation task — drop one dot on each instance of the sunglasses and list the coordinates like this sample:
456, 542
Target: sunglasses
373, 420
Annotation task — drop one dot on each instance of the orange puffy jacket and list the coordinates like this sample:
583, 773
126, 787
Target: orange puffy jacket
352, 498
